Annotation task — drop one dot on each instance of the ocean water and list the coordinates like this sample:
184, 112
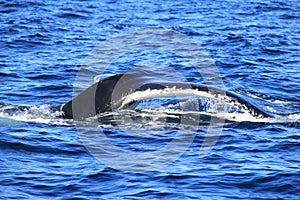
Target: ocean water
44, 48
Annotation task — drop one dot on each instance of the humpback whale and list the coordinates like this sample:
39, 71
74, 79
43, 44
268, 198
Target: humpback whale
110, 94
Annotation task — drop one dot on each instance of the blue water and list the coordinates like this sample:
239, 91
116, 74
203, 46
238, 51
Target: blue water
43, 44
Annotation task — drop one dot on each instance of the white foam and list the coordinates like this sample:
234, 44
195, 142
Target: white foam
31, 114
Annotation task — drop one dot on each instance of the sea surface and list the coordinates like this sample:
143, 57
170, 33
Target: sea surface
44, 48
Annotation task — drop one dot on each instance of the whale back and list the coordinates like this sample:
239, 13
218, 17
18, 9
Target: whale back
121, 91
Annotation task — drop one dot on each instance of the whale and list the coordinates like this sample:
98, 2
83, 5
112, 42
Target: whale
125, 91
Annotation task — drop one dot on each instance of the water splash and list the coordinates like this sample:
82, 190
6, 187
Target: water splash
16, 115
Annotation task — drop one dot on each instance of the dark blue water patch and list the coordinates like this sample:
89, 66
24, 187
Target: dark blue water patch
20, 4
140, 140
292, 15
45, 77
8, 10
283, 183
40, 142
8, 75
69, 15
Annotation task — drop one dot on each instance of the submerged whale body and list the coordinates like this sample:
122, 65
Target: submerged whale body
110, 94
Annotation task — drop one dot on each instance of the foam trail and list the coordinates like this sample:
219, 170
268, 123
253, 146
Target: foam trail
18, 115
